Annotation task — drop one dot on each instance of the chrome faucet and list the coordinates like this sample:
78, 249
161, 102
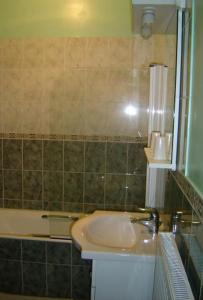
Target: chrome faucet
152, 222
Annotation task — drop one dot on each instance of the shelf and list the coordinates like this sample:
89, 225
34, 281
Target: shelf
157, 164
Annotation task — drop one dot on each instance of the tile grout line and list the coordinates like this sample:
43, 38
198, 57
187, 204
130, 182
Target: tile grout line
84, 177
21, 261
71, 269
22, 196
63, 177
3, 181
42, 157
105, 174
46, 269
126, 178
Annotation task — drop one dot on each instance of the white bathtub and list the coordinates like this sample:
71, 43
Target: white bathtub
36, 225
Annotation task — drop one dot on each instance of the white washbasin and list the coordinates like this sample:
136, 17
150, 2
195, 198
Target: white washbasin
111, 231
110, 234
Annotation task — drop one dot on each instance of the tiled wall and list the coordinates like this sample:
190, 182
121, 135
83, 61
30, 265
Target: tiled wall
80, 86
43, 269
72, 175
182, 197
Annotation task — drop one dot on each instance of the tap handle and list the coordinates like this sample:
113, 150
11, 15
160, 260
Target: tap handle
175, 221
154, 214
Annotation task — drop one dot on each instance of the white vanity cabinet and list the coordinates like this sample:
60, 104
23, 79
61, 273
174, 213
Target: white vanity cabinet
123, 280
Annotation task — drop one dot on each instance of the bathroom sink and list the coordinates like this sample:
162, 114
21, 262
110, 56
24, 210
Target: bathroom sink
111, 231
105, 233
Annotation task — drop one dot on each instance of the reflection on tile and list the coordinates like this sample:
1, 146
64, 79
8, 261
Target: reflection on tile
116, 158
94, 157
73, 187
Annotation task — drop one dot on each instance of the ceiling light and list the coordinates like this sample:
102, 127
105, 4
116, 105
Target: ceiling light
148, 19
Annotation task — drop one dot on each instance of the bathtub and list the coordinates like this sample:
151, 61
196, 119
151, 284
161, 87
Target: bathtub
36, 225
36, 250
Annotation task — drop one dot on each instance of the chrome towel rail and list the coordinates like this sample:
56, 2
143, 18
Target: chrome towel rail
60, 217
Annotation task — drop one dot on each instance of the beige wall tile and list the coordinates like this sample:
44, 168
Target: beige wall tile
97, 52
75, 52
97, 84
120, 52
12, 84
80, 85
56, 116
33, 84
33, 53
54, 53
121, 85
95, 117
142, 52
164, 49
74, 84
117, 120
74, 117
32, 116
12, 116
12, 53
53, 86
